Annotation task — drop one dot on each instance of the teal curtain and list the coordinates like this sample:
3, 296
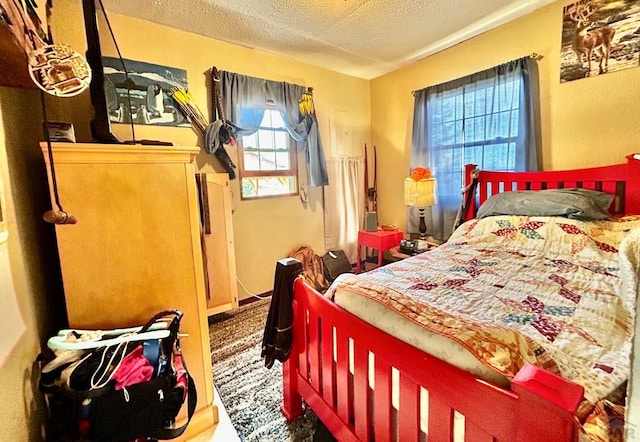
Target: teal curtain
244, 101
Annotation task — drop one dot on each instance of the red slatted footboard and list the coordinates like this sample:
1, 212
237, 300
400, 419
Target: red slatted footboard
539, 407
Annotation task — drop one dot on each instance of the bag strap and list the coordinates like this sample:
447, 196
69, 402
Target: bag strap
217, 95
60, 343
177, 314
168, 345
192, 400
150, 330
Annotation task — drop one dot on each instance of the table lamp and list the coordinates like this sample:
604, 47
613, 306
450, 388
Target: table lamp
420, 192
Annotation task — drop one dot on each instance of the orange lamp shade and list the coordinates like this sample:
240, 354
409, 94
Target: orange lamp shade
419, 173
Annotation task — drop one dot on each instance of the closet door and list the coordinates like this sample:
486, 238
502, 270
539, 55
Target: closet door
218, 246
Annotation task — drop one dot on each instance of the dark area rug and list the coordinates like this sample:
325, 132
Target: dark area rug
251, 393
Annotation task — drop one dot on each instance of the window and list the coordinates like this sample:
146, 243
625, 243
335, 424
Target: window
476, 123
489, 118
267, 160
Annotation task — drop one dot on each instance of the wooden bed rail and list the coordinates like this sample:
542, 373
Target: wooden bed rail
540, 406
622, 180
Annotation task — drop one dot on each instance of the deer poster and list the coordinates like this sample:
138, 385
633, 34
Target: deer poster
598, 37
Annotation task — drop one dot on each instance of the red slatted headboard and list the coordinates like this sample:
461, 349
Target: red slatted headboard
621, 180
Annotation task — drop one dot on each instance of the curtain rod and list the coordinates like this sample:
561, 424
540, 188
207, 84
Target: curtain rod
534, 55
214, 70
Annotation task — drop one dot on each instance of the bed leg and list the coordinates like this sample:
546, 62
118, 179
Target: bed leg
292, 401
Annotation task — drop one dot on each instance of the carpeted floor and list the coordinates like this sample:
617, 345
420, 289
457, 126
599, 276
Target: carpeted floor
251, 393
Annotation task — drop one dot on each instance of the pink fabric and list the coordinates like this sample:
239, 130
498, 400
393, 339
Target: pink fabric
181, 375
135, 368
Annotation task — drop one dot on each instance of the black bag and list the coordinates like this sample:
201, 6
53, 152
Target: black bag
84, 402
335, 264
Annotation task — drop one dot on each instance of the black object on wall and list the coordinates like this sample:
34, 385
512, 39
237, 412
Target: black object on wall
100, 125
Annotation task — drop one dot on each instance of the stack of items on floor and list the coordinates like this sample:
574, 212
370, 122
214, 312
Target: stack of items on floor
120, 384
321, 271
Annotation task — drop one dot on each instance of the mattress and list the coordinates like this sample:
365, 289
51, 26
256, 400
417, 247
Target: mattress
510, 290
407, 331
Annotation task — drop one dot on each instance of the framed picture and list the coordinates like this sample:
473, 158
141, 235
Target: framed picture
141, 92
598, 37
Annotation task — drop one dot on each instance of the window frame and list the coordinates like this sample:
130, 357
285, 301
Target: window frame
291, 172
460, 147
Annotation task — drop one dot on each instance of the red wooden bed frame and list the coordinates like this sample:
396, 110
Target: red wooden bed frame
538, 406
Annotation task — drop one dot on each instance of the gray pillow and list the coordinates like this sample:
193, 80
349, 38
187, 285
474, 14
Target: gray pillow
582, 204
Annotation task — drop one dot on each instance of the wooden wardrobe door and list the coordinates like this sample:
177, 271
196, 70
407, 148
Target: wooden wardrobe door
136, 248
218, 244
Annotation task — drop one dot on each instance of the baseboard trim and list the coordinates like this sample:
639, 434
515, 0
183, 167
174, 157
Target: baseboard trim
204, 419
251, 299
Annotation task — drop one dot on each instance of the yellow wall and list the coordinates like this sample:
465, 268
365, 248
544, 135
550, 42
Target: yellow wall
587, 122
584, 123
33, 261
265, 230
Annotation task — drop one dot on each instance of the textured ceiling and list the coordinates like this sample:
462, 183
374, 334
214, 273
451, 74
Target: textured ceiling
363, 38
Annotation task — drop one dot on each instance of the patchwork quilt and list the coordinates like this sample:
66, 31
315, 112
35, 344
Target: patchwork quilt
555, 292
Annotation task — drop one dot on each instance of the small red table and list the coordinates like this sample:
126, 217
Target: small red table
380, 240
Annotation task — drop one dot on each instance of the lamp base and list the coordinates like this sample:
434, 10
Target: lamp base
422, 227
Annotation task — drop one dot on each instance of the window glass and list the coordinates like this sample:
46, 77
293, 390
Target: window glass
268, 186
476, 123
268, 167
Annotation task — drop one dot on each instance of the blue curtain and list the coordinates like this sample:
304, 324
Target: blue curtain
245, 100
490, 118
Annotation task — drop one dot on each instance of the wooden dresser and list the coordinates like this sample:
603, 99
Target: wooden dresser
136, 247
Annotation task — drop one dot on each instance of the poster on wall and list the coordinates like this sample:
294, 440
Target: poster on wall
599, 37
142, 93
